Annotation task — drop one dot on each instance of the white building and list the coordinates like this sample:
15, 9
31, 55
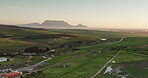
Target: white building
2, 59
108, 69
103, 39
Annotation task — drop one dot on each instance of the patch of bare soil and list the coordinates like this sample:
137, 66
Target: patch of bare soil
143, 64
141, 46
118, 70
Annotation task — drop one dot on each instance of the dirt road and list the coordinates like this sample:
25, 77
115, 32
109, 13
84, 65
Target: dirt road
102, 68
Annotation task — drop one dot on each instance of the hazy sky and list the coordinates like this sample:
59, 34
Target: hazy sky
94, 13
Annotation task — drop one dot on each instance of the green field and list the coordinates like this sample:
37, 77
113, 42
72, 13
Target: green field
72, 43
88, 65
7, 45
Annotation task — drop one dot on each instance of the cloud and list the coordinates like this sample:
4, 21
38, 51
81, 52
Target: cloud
2, 6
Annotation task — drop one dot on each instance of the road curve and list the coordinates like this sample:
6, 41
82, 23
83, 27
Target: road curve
116, 41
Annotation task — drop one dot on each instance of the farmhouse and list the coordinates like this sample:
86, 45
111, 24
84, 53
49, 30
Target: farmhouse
2, 59
103, 39
52, 50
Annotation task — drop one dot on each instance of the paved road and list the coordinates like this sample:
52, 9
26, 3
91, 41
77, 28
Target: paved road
116, 41
42, 62
102, 68
34, 66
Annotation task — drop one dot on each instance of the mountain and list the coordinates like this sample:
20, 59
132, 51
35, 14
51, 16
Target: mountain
30, 25
80, 26
54, 24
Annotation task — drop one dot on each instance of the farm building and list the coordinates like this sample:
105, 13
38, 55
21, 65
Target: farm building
103, 39
11, 75
2, 59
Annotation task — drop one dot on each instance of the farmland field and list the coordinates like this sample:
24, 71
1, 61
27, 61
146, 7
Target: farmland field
77, 53
88, 65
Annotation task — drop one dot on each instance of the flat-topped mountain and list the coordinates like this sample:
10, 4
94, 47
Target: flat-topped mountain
54, 24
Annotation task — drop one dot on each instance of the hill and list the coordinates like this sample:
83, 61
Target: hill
54, 24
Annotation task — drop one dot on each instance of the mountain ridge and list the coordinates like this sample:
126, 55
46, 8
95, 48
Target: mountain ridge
54, 24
